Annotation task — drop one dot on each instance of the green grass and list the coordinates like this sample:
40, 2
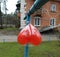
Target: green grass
9, 28
9, 31
46, 49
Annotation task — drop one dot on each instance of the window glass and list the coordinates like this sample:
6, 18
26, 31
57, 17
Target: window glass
37, 21
53, 7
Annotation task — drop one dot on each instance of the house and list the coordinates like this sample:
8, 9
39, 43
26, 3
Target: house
46, 18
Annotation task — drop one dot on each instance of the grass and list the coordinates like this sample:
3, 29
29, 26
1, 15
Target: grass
9, 31
46, 49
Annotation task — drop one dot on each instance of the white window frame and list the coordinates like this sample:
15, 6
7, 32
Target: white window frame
39, 21
53, 9
54, 21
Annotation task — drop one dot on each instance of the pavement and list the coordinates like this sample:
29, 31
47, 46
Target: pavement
13, 38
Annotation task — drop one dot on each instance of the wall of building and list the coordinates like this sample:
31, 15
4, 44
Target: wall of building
46, 14
28, 4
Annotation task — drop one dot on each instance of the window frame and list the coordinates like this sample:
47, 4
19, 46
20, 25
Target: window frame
35, 21
53, 9
52, 21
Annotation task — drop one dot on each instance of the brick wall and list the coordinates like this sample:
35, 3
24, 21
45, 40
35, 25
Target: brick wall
46, 15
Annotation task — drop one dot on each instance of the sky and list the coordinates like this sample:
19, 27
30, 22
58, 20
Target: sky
11, 6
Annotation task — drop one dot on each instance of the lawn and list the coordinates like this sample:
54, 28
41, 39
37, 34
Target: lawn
9, 31
46, 49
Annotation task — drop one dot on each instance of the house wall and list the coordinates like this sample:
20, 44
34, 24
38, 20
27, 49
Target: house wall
46, 14
28, 4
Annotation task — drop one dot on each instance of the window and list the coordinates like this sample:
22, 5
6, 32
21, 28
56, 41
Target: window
53, 7
52, 21
37, 21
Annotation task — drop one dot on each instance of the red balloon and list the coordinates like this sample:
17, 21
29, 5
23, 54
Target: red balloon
29, 35
35, 38
23, 37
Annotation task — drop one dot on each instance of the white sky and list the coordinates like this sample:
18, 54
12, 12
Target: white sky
11, 6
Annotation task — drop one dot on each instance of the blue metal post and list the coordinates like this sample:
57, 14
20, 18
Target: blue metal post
26, 51
26, 47
37, 5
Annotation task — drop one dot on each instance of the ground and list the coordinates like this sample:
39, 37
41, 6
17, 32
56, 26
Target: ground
10, 35
10, 48
45, 49
9, 31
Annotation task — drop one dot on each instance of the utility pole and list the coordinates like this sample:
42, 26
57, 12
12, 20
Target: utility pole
1, 23
22, 11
